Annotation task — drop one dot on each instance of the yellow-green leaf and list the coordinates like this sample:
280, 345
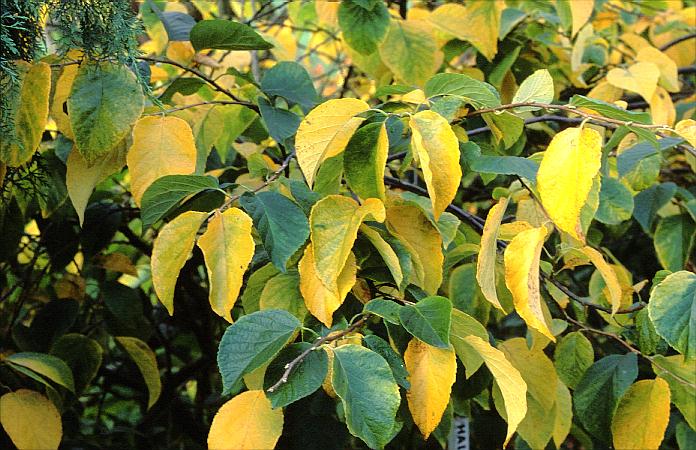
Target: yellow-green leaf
30, 111
687, 129
512, 387
161, 146
485, 264
581, 10
431, 372
246, 422
416, 232
170, 251
565, 176
364, 161
478, 23
641, 417
679, 373
321, 301
522, 277
564, 414
640, 77
609, 276
60, 96
146, 361
325, 131
391, 259
437, 149
669, 76
410, 51
334, 223
31, 420
227, 247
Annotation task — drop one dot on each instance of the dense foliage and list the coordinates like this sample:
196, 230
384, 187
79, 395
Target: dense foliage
329, 225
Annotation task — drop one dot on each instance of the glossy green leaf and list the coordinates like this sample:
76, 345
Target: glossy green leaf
386, 309
168, 191
429, 320
396, 362
304, 379
226, 35
627, 160
292, 82
476, 93
506, 165
674, 241
672, 310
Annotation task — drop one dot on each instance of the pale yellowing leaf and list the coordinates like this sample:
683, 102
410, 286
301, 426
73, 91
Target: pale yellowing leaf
507, 231
640, 78
31, 420
416, 96
60, 96
609, 276
478, 23
161, 146
410, 51
247, 422
642, 415
325, 131
687, 129
512, 387
438, 152
485, 264
662, 108
145, 359
564, 414
605, 91
431, 372
669, 76
227, 247
565, 176
581, 10
522, 277
170, 252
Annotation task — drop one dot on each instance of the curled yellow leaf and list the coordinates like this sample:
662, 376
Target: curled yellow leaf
485, 264
609, 276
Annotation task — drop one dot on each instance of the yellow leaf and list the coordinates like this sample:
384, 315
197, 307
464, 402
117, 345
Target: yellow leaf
507, 231
161, 146
170, 252
81, 178
522, 277
180, 51
687, 129
227, 247
416, 96
30, 110
438, 152
662, 108
565, 176
409, 50
485, 264
581, 10
117, 262
669, 77
325, 131
414, 230
641, 416
246, 422
334, 223
145, 359
606, 91
609, 276
60, 96
641, 78
31, 420
321, 301
478, 23
512, 387
431, 372
564, 414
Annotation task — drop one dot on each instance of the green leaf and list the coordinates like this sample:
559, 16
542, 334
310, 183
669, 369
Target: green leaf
649, 201
572, 357
104, 103
254, 287
392, 251
674, 239
681, 377
51, 367
185, 86
177, 24
82, 355
363, 29
686, 437
364, 159
629, 158
281, 123
615, 202
370, 398
429, 320
506, 165
464, 325
304, 379
538, 88
609, 110
283, 292
167, 191
599, 391
146, 361
386, 309
382, 347
226, 35
648, 339
252, 341
474, 92
280, 222
672, 310
292, 82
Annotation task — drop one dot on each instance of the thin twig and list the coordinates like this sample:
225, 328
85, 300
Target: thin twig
678, 40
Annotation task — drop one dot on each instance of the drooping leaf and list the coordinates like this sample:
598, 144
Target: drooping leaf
227, 247
564, 414
609, 276
431, 373
370, 398
429, 320
363, 28
60, 96
49, 366
382, 348
485, 263
146, 361
572, 357
281, 223
167, 191
291, 81
304, 379
565, 176
104, 103
226, 35
438, 153
281, 123
538, 88
464, 325
283, 292
325, 131
672, 310
252, 341
410, 51
161, 146
681, 378
253, 289
364, 160
31, 420
649, 201
477, 22
393, 253
247, 422
674, 241
641, 416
